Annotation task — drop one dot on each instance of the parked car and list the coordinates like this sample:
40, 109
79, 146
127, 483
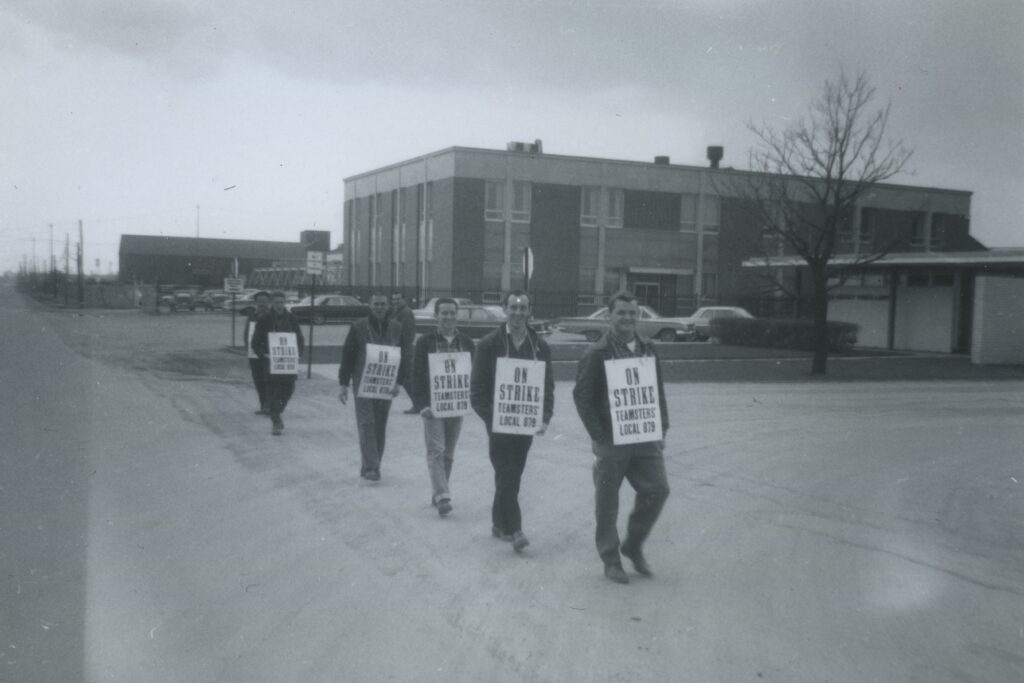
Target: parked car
477, 321
648, 324
703, 316
336, 307
243, 304
184, 299
211, 299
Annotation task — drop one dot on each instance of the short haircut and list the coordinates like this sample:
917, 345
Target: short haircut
260, 293
378, 292
445, 300
518, 292
623, 295
394, 294
278, 294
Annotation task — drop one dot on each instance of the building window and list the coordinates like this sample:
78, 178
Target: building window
688, 213
937, 239
684, 285
916, 232
711, 207
866, 235
494, 201
520, 201
616, 201
590, 201
709, 290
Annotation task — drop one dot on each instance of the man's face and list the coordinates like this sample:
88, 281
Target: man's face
517, 308
379, 306
278, 304
623, 318
397, 301
446, 314
263, 304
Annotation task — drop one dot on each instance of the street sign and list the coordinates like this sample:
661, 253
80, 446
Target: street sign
528, 263
234, 285
315, 262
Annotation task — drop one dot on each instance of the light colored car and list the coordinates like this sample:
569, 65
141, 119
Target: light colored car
703, 316
476, 321
648, 324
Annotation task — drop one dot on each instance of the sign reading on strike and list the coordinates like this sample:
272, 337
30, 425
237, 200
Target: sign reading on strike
633, 399
518, 396
284, 353
449, 383
380, 373
250, 327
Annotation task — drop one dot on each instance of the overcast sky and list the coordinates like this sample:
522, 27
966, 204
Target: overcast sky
128, 114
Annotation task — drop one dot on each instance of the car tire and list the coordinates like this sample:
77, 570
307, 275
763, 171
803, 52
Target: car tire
592, 335
667, 335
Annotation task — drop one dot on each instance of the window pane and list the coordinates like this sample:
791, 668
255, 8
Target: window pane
615, 202
688, 212
712, 208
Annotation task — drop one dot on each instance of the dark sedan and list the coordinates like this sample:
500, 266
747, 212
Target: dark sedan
476, 321
330, 307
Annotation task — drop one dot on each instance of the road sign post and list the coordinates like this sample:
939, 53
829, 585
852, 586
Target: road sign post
315, 267
233, 285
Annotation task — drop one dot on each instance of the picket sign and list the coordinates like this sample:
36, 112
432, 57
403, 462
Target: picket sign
518, 396
250, 327
284, 353
380, 372
633, 399
449, 383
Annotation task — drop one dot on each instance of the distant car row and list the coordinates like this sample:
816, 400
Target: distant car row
473, 319
696, 327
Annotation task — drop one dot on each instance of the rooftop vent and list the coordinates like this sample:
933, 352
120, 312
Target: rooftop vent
661, 161
535, 147
715, 154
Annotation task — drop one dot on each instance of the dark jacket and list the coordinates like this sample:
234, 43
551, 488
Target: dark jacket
496, 345
432, 342
273, 322
367, 331
407, 321
591, 391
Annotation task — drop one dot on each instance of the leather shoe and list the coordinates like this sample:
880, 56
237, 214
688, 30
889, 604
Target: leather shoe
372, 475
278, 427
444, 507
639, 563
616, 573
519, 541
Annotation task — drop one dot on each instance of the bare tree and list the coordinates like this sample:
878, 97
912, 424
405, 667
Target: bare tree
807, 181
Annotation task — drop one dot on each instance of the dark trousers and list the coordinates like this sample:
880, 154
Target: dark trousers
508, 457
259, 379
279, 392
372, 422
644, 467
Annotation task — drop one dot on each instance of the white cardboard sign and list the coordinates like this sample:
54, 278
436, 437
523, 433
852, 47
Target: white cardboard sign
284, 353
449, 383
518, 396
380, 372
633, 399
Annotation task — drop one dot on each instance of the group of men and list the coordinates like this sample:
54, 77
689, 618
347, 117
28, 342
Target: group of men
507, 380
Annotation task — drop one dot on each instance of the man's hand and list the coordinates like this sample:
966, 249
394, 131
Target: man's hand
343, 395
394, 392
543, 428
427, 413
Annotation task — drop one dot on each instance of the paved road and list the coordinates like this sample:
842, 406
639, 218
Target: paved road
153, 530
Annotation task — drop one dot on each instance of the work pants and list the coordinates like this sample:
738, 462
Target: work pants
279, 392
441, 434
643, 465
372, 422
508, 457
259, 379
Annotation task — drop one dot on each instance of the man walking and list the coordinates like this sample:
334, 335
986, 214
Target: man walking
280, 362
403, 315
256, 366
513, 392
372, 390
441, 370
620, 398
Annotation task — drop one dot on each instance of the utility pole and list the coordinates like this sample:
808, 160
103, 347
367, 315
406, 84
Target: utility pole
197, 220
67, 266
81, 269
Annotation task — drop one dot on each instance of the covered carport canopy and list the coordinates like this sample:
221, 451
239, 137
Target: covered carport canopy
927, 301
